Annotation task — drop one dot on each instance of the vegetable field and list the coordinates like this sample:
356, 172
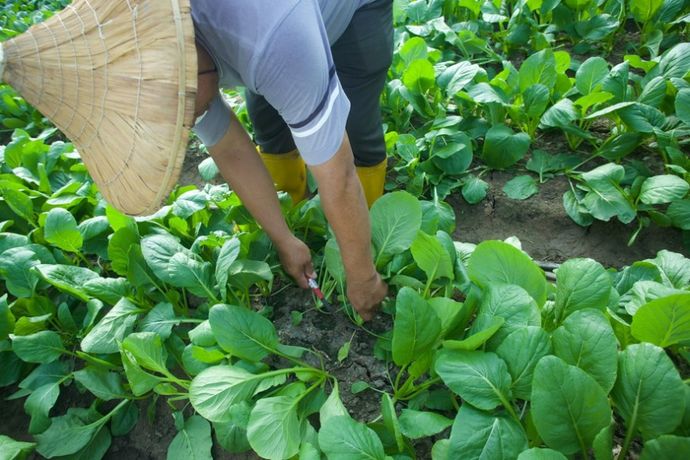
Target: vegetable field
178, 336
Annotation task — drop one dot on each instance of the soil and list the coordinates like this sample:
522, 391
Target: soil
548, 234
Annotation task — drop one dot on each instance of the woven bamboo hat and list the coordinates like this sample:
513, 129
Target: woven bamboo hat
119, 79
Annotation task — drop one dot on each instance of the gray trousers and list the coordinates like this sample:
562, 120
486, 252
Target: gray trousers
362, 56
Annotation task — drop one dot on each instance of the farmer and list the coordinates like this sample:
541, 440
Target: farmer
313, 72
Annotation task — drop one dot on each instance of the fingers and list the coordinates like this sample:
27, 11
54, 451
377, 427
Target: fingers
309, 270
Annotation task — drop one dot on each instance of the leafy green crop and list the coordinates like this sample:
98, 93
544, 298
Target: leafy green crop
485, 357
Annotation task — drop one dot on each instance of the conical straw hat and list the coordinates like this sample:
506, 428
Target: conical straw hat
119, 79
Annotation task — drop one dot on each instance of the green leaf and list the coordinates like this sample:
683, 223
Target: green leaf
274, 428
664, 322
521, 188
474, 190
521, 351
208, 169
96, 448
642, 117
479, 378
119, 247
667, 447
461, 74
510, 302
39, 404
654, 92
560, 115
603, 444
591, 74
158, 250
232, 435
496, 262
503, 147
193, 442
189, 203
683, 105
217, 388
11, 449
227, 256
416, 327
477, 339
42, 347
108, 290
103, 384
663, 189
141, 382
20, 203
7, 320
243, 333
416, 424
160, 320
93, 227
148, 351
539, 68
61, 230
396, 219
125, 420
477, 434
244, 273
334, 262
679, 213
333, 407
67, 435
674, 267
390, 420
15, 268
188, 273
644, 10
431, 257
569, 407
647, 391
586, 340
342, 438
541, 454
68, 278
113, 328
535, 100
581, 283
419, 76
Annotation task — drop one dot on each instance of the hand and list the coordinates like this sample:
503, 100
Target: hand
296, 259
366, 295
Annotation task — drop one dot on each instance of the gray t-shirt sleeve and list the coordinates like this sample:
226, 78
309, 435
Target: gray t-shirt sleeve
296, 75
212, 125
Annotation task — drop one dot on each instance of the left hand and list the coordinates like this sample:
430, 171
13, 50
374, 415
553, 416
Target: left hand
296, 259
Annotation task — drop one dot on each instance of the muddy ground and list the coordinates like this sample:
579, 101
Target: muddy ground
540, 222
548, 234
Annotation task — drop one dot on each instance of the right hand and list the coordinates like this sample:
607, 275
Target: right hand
367, 294
296, 259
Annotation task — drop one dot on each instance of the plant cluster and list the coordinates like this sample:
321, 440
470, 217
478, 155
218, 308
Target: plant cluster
486, 356
458, 104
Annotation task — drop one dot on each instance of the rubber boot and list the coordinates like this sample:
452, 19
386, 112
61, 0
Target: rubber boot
373, 179
289, 173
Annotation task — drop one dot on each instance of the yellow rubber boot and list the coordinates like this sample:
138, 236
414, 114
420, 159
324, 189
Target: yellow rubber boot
289, 173
373, 179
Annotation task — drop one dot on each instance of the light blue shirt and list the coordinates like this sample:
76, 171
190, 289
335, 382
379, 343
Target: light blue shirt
279, 49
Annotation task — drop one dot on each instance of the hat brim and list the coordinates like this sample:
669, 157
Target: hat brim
119, 79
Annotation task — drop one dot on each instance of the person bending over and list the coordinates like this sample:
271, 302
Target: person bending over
313, 72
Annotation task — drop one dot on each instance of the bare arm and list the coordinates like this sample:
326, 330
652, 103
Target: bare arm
346, 209
236, 158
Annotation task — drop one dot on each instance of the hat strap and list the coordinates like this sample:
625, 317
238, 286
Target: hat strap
2, 61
